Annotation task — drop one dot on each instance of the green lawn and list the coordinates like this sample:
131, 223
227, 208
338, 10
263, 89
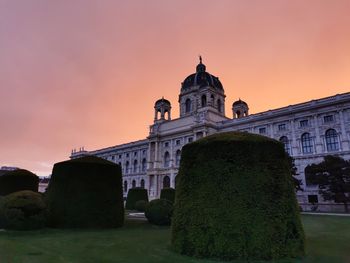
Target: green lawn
328, 241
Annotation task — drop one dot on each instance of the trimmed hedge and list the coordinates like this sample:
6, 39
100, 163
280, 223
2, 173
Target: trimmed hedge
134, 195
168, 194
141, 205
235, 200
86, 193
159, 212
23, 210
18, 180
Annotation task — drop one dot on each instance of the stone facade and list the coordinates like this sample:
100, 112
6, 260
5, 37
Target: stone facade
308, 130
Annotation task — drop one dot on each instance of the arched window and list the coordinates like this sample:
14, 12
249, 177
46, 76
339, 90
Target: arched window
332, 142
127, 167
219, 105
177, 157
285, 141
166, 159
166, 181
212, 99
142, 184
135, 166
204, 100
306, 143
125, 186
133, 183
144, 165
188, 105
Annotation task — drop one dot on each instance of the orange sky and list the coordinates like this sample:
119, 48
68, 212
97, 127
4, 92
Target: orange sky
87, 73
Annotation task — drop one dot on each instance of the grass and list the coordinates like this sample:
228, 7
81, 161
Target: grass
328, 241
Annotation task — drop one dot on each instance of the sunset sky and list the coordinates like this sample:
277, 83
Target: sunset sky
87, 73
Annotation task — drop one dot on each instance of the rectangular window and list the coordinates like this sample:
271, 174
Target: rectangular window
282, 127
178, 142
313, 199
127, 155
262, 130
166, 144
190, 139
120, 156
328, 118
144, 152
304, 123
135, 153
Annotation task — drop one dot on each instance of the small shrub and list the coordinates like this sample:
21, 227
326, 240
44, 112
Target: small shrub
23, 210
134, 195
18, 180
168, 194
85, 193
159, 212
141, 205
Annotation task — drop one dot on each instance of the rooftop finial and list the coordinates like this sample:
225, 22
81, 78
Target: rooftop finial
200, 59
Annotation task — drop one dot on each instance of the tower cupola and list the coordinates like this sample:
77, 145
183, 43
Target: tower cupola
162, 110
240, 109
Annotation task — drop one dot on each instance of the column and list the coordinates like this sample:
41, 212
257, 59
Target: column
344, 139
318, 143
294, 145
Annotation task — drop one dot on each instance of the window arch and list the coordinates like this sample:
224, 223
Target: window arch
285, 141
188, 105
142, 183
166, 182
166, 159
177, 157
135, 166
133, 183
204, 100
332, 142
144, 165
306, 143
127, 167
219, 105
125, 186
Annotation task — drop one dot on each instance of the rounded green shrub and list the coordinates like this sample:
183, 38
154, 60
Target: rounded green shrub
85, 193
235, 200
159, 212
168, 194
141, 205
18, 180
23, 210
134, 195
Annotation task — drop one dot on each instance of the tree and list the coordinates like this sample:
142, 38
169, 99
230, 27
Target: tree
296, 182
332, 176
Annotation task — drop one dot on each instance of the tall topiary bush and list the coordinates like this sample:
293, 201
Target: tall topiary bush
168, 194
85, 192
235, 199
23, 210
134, 195
18, 180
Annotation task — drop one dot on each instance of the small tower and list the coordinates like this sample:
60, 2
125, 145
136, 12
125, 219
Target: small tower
161, 107
240, 109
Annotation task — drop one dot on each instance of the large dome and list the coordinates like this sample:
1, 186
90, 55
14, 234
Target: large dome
201, 78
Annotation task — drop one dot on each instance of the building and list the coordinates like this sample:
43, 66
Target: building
5, 169
308, 130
